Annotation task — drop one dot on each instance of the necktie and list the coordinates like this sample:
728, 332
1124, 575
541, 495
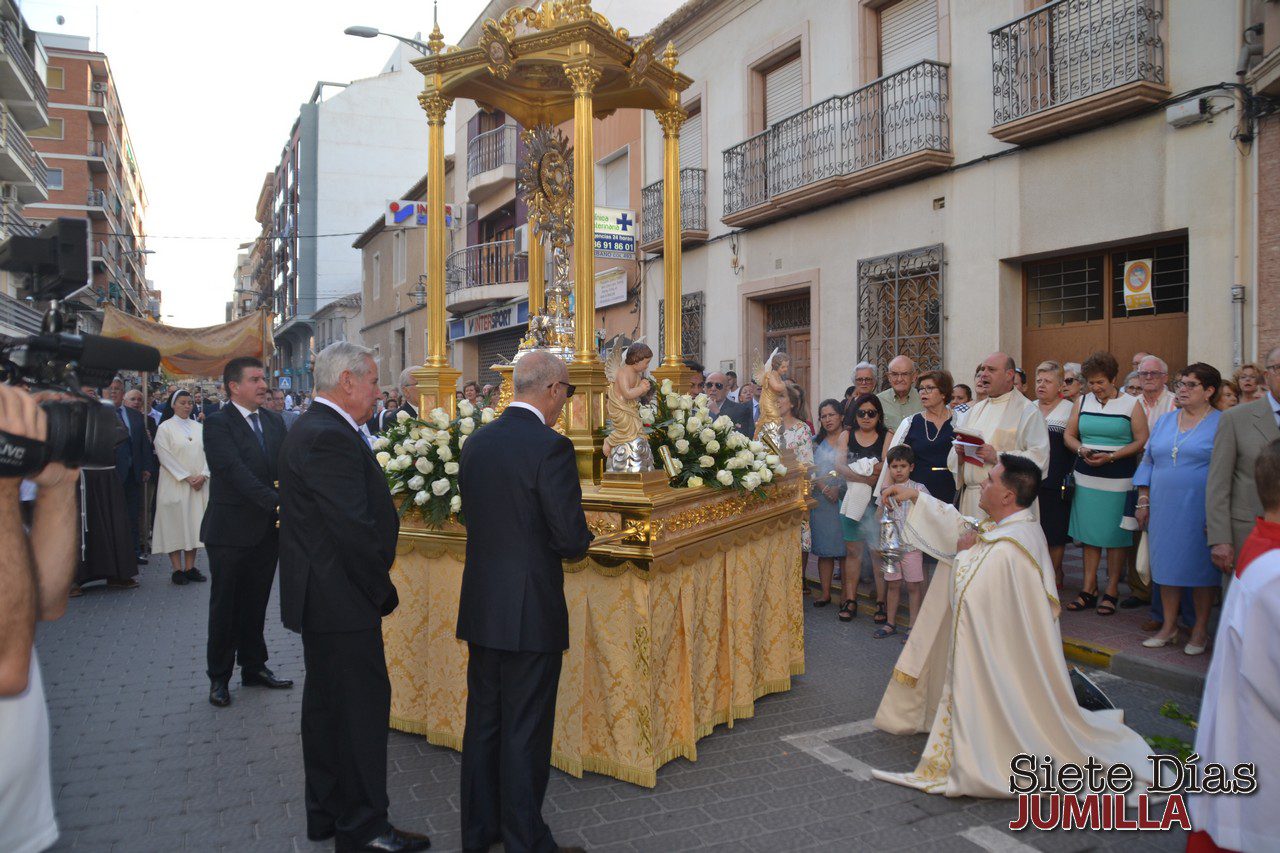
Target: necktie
125, 419
257, 430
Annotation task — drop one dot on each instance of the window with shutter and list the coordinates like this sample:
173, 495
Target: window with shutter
691, 141
908, 34
783, 91
617, 182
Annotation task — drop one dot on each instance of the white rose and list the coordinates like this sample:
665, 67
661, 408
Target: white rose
402, 416
766, 476
734, 441
403, 462
751, 481
745, 455
724, 422
771, 459
694, 482
467, 425
398, 450
383, 457
440, 487
707, 435
455, 503
380, 444
733, 464
465, 409
423, 465
646, 414
693, 423
756, 465
756, 447
420, 498
779, 470
461, 440
665, 387
682, 446
444, 453
451, 468
713, 446
675, 432
416, 482
725, 478
487, 415
701, 401
706, 461
422, 446
673, 402
397, 488
439, 417
678, 465
415, 434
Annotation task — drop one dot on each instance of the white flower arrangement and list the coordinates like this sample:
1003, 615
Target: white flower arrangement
706, 450
419, 460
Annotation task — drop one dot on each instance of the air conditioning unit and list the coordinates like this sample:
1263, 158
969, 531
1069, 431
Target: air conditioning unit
522, 239
100, 87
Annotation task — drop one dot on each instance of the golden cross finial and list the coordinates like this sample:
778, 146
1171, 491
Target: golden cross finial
436, 41
670, 56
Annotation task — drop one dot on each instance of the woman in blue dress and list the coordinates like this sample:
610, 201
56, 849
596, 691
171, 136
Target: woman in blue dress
1171, 505
827, 538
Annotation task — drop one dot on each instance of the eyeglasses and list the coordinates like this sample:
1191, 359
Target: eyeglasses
568, 389
923, 388
868, 413
1070, 380
1151, 374
715, 384
1190, 386
897, 374
1273, 368
864, 380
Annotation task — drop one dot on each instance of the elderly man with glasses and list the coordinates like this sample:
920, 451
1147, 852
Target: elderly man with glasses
1157, 399
717, 389
900, 399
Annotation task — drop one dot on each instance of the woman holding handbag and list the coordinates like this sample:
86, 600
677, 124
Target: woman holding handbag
1054, 499
1171, 485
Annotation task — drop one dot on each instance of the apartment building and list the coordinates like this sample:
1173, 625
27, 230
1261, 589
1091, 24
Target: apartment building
946, 178
393, 293
244, 296
1263, 75
93, 173
351, 147
24, 107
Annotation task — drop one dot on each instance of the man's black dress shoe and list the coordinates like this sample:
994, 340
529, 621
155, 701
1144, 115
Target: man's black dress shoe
264, 678
218, 694
391, 841
195, 575
142, 561
321, 834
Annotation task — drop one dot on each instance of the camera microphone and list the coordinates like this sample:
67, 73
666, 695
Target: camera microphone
99, 353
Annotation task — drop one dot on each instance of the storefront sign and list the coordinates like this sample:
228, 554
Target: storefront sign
615, 233
611, 287
406, 213
1137, 285
489, 320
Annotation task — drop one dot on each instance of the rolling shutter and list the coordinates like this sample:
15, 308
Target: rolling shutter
783, 91
691, 142
494, 348
908, 34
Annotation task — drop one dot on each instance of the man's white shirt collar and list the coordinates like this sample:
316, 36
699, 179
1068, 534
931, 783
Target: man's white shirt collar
243, 411
346, 417
521, 405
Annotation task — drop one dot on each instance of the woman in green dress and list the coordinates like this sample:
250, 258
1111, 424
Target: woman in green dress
1107, 431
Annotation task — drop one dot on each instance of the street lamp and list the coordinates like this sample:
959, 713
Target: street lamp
374, 32
420, 291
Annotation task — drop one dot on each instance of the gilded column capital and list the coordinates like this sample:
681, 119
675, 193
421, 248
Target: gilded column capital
435, 105
671, 120
583, 76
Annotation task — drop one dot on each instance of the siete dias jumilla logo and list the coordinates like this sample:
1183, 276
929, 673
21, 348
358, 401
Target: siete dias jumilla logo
1093, 795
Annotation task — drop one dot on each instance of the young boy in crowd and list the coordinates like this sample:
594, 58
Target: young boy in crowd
902, 462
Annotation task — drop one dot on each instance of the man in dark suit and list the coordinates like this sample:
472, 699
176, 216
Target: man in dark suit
717, 388
339, 529
518, 476
241, 444
134, 464
204, 407
409, 391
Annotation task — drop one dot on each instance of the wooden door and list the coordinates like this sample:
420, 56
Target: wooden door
798, 347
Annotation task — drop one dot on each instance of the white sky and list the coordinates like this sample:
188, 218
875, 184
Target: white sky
209, 92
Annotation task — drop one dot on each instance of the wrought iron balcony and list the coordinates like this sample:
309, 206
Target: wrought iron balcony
13, 223
17, 54
890, 130
23, 166
484, 273
1075, 63
491, 161
693, 210
96, 198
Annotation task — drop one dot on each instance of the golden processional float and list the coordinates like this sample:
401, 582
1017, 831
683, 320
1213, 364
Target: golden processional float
689, 606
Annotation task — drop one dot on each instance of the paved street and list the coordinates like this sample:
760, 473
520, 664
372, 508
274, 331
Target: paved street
142, 762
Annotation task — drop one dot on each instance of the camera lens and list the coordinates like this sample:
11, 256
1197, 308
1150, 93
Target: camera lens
82, 434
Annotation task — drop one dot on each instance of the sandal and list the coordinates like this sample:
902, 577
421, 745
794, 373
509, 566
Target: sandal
1108, 605
881, 616
822, 602
884, 631
1084, 601
848, 610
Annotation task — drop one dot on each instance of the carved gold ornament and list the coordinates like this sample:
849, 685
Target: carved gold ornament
496, 45
545, 179
435, 106
641, 61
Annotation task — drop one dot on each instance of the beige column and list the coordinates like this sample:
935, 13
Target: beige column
583, 76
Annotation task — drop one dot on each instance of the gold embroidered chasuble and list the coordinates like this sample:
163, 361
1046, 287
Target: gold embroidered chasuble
1005, 688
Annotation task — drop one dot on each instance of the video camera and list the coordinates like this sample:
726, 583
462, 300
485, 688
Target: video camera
82, 432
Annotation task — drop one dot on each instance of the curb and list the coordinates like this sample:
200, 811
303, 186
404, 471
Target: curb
1134, 668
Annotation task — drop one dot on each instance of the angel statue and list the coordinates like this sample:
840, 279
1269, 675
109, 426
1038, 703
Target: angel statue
626, 450
771, 377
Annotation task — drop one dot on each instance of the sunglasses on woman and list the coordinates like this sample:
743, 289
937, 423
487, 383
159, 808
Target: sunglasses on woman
868, 413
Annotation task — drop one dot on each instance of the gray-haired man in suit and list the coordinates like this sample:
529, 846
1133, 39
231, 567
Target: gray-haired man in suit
1231, 500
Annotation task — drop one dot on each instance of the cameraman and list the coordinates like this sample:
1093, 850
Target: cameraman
35, 576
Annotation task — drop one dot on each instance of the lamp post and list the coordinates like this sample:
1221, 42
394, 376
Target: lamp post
420, 291
374, 32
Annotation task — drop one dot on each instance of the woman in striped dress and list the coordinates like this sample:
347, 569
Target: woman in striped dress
1107, 431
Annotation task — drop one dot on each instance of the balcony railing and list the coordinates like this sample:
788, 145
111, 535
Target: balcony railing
96, 198
485, 263
491, 150
12, 222
17, 52
895, 116
693, 206
17, 317
17, 142
1072, 49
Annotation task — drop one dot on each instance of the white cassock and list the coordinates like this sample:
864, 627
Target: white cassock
1005, 689
1011, 424
1240, 712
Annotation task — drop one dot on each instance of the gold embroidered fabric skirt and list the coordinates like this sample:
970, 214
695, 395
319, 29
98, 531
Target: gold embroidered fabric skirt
657, 658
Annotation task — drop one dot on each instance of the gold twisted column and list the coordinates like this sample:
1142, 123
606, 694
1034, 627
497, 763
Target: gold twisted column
437, 381
672, 342
537, 267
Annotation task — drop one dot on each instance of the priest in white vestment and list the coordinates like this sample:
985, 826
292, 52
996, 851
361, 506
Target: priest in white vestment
1010, 423
1005, 688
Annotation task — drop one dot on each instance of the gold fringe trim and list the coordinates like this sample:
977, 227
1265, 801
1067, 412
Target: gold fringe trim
902, 678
